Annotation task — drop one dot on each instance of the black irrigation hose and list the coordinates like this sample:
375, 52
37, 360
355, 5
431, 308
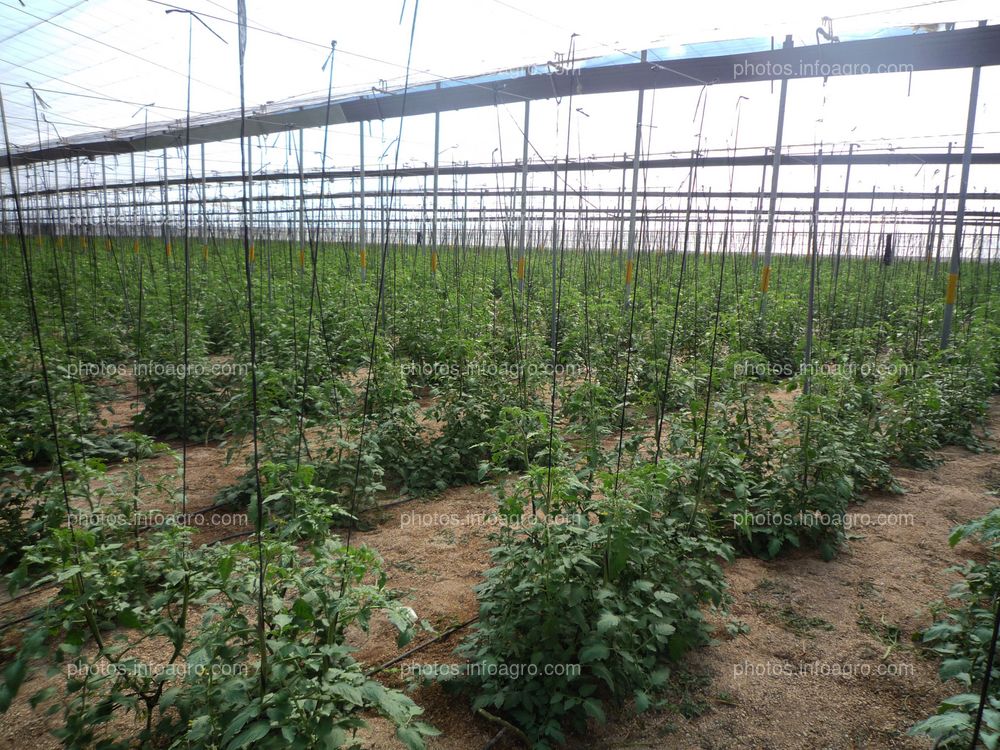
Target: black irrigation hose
144, 529
495, 739
27, 594
138, 530
19, 620
384, 506
421, 647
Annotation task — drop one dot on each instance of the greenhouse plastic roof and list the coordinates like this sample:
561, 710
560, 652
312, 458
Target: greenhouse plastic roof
684, 65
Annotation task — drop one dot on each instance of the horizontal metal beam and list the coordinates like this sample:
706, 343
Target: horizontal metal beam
330, 213
588, 165
650, 196
963, 48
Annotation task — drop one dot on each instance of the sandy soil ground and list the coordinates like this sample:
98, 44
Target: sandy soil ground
773, 687
828, 662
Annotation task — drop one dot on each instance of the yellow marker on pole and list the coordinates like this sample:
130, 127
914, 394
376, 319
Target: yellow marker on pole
628, 282
135, 247
765, 278
168, 248
434, 261
204, 253
364, 264
302, 257
252, 253
952, 294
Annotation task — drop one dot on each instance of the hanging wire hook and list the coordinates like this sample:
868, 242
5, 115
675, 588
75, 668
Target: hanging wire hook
56, 130
144, 106
697, 104
197, 18
826, 30
329, 58
37, 96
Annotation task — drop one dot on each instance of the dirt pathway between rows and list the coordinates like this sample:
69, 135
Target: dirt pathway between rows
857, 612
775, 688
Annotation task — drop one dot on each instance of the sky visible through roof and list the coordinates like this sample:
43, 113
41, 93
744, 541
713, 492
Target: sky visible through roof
102, 64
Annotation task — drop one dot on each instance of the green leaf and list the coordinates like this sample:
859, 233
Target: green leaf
957, 669
410, 737
665, 628
226, 565
252, 733
774, 546
594, 652
963, 700
281, 620
127, 618
69, 572
943, 725
238, 722
595, 710
607, 621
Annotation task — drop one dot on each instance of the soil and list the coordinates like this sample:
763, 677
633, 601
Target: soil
777, 687
772, 687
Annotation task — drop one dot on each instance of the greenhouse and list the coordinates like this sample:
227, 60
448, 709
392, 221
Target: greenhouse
499, 375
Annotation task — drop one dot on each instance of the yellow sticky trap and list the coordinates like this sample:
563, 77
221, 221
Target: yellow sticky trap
302, 257
364, 258
83, 242
434, 261
108, 243
765, 278
59, 242
135, 247
520, 268
204, 252
252, 252
628, 272
168, 248
952, 294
